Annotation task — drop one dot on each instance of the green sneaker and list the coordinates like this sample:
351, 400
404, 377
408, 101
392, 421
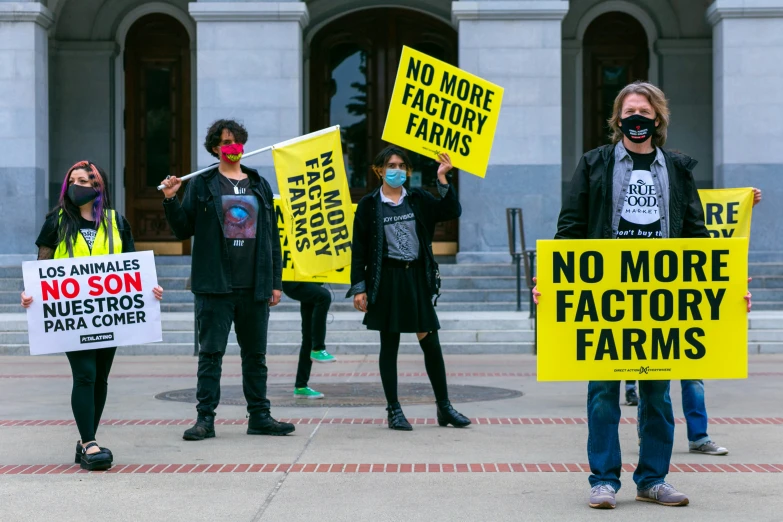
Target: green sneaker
322, 356
307, 393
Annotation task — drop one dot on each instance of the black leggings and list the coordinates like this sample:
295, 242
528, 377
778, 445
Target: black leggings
315, 301
90, 370
433, 363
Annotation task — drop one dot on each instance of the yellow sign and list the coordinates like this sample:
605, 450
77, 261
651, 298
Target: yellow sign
612, 310
340, 276
312, 182
727, 212
436, 107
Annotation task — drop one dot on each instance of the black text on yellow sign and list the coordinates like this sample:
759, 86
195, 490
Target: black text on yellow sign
727, 212
436, 107
642, 309
313, 184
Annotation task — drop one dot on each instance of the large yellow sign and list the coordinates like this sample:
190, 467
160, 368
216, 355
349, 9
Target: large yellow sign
436, 107
290, 273
312, 182
644, 309
727, 212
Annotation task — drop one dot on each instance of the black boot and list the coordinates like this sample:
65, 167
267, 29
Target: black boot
96, 461
397, 420
203, 429
264, 424
448, 415
78, 457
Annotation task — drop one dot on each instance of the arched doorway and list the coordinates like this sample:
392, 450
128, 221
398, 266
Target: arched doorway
615, 54
353, 65
157, 124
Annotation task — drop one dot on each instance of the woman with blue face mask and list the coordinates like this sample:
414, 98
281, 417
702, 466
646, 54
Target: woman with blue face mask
394, 276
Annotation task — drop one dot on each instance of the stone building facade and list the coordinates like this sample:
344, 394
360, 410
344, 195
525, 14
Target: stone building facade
134, 84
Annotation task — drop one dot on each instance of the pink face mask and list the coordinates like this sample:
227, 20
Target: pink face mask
232, 153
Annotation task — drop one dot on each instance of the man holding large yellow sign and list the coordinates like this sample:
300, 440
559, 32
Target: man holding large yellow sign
650, 304
666, 309
436, 107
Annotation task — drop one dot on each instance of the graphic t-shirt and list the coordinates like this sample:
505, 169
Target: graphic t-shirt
640, 217
240, 221
399, 227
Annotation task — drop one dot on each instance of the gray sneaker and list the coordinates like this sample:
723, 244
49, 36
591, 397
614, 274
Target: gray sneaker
602, 497
663, 494
709, 448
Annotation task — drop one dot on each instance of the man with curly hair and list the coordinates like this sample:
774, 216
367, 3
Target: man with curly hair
236, 273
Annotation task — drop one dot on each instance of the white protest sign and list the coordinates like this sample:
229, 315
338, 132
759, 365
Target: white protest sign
85, 303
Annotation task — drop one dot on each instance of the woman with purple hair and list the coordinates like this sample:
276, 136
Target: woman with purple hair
83, 225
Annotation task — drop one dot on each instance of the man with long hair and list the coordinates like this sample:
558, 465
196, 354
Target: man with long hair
633, 189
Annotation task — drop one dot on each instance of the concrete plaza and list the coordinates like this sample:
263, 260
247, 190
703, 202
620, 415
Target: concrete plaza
523, 460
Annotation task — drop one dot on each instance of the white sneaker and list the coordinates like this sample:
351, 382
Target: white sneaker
710, 448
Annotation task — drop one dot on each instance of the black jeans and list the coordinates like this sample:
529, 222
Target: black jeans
315, 301
215, 313
90, 369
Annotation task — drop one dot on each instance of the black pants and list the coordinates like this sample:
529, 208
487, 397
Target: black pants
90, 369
314, 305
215, 313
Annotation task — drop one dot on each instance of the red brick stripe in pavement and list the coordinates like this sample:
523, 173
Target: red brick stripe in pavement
370, 420
314, 375
554, 467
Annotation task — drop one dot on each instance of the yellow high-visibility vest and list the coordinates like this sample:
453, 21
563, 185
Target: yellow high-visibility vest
104, 243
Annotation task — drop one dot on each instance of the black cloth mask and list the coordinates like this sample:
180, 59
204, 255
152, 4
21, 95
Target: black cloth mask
637, 128
81, 195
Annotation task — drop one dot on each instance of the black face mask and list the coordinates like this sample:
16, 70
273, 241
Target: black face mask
637, 128
81, 195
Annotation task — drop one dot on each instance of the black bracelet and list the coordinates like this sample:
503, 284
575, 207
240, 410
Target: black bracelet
172, 198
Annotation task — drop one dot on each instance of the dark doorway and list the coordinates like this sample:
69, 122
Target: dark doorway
615, 54
157, 124
353, 65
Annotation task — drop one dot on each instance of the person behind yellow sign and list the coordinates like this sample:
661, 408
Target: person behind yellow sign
632, 189
394, 274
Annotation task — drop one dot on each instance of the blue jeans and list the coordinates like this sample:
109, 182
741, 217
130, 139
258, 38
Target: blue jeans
695, 410
656, 427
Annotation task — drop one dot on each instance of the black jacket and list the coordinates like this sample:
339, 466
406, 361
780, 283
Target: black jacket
201, 216
587, 208
368, 236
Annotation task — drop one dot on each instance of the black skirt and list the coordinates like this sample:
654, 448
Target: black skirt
403, 303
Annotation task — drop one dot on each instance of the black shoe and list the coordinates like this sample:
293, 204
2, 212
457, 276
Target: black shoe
397, 420
94, 462
78, 456
264, 424
448, 415
203, 429
631, 399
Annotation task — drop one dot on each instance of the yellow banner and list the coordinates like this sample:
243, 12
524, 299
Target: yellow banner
312, 182
727, 212
643, 309
290, 273
436, 107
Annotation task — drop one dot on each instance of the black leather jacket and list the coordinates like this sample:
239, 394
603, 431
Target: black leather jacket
201, 216
587, 208
368, 236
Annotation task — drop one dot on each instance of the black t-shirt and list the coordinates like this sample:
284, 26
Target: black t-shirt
240, 223
48, 236
640, 217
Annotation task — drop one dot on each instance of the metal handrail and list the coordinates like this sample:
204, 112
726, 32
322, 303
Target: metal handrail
515, 227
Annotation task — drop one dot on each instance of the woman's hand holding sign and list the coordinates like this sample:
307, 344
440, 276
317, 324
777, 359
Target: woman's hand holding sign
444, 167
748, 296
26, 300
536, 293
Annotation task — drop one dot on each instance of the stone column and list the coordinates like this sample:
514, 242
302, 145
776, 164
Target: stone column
747, 45
249, 68
24, 126
517, 45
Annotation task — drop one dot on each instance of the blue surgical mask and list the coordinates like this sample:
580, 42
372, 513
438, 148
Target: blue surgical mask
395, 177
